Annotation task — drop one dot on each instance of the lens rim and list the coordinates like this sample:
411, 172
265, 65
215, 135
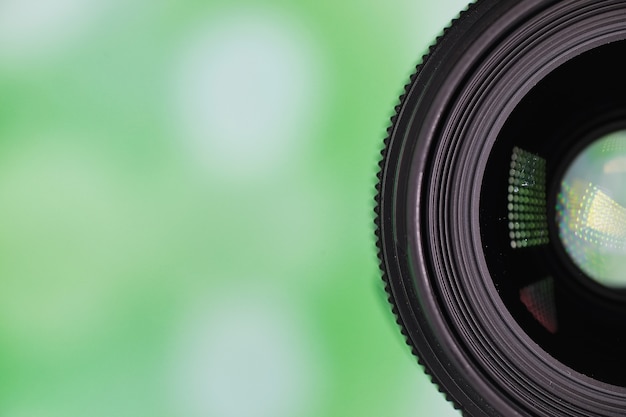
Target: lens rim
428, 207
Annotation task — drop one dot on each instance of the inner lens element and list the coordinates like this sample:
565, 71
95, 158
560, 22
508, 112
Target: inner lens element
553, 227
591, 210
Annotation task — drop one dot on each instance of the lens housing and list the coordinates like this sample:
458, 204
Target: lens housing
497, 311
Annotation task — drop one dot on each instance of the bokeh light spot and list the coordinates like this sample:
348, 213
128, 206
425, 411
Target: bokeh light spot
243, 356
32, 31
246, 93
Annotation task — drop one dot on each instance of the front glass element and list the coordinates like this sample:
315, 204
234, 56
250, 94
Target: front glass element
591, 210
553, 214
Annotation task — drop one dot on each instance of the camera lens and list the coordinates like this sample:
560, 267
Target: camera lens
501, 209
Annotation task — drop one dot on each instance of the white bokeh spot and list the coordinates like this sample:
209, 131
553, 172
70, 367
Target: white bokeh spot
243, 357
32, 31
246, 90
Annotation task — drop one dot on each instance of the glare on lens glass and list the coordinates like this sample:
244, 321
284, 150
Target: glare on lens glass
591, 210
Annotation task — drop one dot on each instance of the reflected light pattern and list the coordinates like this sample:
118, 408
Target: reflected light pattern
528, 225
538, 298
590, 212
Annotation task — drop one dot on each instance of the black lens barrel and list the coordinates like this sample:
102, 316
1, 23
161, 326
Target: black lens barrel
466, 209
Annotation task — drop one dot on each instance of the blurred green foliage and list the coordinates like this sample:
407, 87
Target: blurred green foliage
186, 207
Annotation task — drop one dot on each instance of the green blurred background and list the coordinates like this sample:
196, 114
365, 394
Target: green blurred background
186, 207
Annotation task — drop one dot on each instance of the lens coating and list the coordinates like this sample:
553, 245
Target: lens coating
553, 229
591, 210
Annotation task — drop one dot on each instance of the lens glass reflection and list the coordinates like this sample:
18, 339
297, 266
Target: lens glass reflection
591, 210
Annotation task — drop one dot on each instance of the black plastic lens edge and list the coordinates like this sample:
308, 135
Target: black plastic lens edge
426, 358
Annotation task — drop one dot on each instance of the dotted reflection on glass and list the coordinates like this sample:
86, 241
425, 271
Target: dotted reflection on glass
590, 210
539, 301
528, 225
